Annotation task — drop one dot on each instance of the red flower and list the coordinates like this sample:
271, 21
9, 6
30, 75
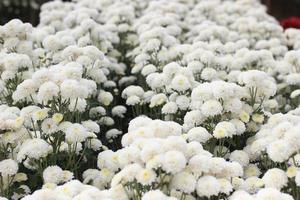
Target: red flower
292, 22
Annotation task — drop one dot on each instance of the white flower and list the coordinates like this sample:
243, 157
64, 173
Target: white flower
53, 174
72, 89
183, 102
158, 100
180, 83
297, 178
148, 69
295, 94
226, 186
8, 167
150, 150
239, 126
52, 43
208, 186
47, 91
76, 133
240, 194
113, 133
198, 134
233, 105
49, 126
154, 194
105, 98
171, 68
95, 144
208, 74
174, 162
169, 108
193, 118
34, 149
25, 89
275, 178
240, 156
184, 182
108, 159
119, 111
280, 150
202, 92
77, 104
91, 126
133, 100
132, 91
251, 170
224, 129
211, 108
146, 176
271, 193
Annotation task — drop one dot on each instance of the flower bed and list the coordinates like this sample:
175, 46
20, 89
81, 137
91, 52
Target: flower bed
148, 100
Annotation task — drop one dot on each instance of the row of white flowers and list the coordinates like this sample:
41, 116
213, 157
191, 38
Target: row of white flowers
148, 100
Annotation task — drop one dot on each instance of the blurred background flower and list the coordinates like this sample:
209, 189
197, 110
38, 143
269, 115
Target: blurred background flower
26, 10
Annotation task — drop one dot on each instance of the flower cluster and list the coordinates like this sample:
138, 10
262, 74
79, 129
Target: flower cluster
147, 100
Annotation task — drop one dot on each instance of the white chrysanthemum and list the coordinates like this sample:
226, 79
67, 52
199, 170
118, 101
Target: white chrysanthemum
150, 150
47, 91
275, 178
208, 74
154, 194
72, 89
146, 176
49, 126
119, 111
34, 149
297, 178
198, 165
208, 186
240, 194
184, 182
158, 100
239, 126
183, 102
193, 118
224, 129
202, 92
295, 94
52, 43
169, 108
132, 91
225, 186
240, 157
252, 184
194, 148
211, 108
280, 150
271, 193
108, 159
40, 114
175, 143
174, 162
105, 98
53, 174
76, 133
180, 83
148, 69
91, 126
198, 134
77, 104
133, 100
8, 167
251, 170
233, 105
